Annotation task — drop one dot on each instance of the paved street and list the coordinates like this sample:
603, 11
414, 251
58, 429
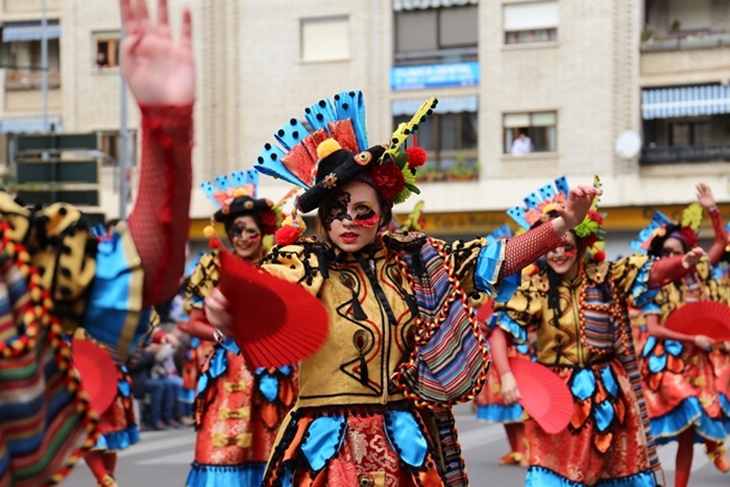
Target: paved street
161, 459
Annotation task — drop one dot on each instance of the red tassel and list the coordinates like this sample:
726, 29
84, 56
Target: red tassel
599, 256
286, 235
214, 243
416, 157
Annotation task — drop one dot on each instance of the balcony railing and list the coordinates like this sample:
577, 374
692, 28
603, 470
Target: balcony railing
685, 153
19, 79
441, 56
683, 40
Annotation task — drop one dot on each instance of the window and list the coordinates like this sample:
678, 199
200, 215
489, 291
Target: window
530, 132
451, 142
107, 51
325, 39
689, 15
111, 143
23, 61
436, 35
530, 22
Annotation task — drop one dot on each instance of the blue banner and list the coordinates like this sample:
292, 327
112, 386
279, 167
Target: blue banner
434, 76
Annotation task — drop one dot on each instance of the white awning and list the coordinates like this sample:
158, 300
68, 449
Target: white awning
685, 102
447, 104
30, 31
399, 5
29, 125
531, 16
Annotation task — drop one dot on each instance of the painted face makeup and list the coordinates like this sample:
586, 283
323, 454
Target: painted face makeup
570, 251
366, 216
337, 209
242, 231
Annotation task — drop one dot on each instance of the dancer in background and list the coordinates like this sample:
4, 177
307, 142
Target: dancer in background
238, 410
677, 372
576, 304
491, 407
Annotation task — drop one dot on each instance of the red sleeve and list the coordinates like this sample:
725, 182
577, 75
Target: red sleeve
669, 269
160, 220
525, 249
718, 245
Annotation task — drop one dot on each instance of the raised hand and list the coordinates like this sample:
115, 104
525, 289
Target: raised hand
217, 311
692, 258
703, 342
157, 70
579, 202
705, 196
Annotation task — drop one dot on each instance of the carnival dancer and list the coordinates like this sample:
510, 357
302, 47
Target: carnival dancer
490, 405
677, 374
238, 410
720, 355
576, 304
57, 275
403, 343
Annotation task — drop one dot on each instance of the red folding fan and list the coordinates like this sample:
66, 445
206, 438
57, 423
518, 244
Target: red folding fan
707, 318
544, 395
98, 373
275, 322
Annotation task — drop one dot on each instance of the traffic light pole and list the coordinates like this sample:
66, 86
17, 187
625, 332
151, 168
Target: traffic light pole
44, 64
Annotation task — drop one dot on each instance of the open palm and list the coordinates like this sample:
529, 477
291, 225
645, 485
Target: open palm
157, 70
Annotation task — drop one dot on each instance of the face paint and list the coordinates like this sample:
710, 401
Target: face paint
570, 250
366, 216
240, 231
337, 209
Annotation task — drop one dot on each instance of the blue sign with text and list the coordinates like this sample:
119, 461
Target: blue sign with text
434, 76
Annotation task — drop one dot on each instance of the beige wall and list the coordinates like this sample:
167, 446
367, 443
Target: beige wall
251, 80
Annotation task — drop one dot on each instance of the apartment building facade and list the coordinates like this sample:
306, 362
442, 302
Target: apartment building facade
573, 75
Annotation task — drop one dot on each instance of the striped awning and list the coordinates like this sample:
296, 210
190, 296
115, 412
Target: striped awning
687, 101
30, 31
399, 5
446, 104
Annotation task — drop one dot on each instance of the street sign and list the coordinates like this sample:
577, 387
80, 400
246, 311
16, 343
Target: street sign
50, 169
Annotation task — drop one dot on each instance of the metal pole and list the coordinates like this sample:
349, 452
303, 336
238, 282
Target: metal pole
124, 149
44, 64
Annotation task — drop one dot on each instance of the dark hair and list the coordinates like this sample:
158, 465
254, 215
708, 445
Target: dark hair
657, 243
255, 216
385, 208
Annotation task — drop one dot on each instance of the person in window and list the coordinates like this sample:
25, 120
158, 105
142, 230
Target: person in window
101, 60
57, 276
375, 399
522, 144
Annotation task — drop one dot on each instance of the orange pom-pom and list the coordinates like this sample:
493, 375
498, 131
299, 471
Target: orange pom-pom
286, 235
214, 243
599, 256
416, 157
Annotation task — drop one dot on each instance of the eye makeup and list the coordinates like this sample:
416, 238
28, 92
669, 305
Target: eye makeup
570, 250
241, 231
366, 216
337, 209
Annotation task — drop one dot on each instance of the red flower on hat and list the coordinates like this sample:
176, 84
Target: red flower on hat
689, 236
270, 221
595, 216
388, 179
416, 157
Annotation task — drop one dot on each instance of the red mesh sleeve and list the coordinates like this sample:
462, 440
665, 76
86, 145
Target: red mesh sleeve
525, 249
160, 220
669, 269
718, 245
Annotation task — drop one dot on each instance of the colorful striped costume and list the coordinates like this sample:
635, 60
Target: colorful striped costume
403, 345
608, 441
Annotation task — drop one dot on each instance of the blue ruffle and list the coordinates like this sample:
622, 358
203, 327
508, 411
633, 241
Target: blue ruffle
725, 406
486, 273
651, 309
543, 477
502, 320
323, 440
640, 293
688, 412
583, 384
118, 440
219, 475
186, 395
498, 413
406, 438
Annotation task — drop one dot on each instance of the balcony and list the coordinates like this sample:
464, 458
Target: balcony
655, 155
438, 56
683, 40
